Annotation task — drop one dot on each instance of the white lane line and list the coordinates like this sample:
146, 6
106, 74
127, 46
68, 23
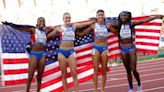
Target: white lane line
125, 84
138, 67
142, 63
118, 79
152, 69
151, 89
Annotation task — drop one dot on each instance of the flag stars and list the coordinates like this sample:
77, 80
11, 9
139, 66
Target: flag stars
55, 53
47, 59
53, 57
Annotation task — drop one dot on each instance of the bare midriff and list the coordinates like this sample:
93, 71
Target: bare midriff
125, 43
100, 41
67, 45
38, 48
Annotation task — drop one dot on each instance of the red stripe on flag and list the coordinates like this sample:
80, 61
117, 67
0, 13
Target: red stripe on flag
15, 61
8, 72
83, 49
20, 81
112, 35
89, 62
147, 37
113, 42
152, 23
140, 17
113, 49
147, 51
147, 30
51, 71
84, 56
148, 44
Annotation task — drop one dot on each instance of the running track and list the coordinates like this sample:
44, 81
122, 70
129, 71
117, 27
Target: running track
151, 73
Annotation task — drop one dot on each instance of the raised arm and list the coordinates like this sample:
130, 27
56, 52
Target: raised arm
134, 23
113, 28
87, 30
21, 27
49, 30
85, 23
52, 33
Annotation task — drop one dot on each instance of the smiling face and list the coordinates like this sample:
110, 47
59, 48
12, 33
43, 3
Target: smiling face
100, 16
124, 17
41, 23
67, 18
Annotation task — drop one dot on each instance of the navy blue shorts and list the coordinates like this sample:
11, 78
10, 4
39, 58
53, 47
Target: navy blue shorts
66, 53
128, 50
100, 48
38, 55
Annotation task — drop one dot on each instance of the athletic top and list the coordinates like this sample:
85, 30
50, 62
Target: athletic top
126, 31
67, 33
101, 31
40, 37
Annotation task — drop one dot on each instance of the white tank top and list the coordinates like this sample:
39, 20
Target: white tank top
40, 37
125, 31
67, 33
101, 31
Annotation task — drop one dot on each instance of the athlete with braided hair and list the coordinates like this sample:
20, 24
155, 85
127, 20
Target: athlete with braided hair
126, 35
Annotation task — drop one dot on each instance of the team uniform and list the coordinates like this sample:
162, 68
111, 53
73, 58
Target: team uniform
100, 31
126, 32
40, 39
67, 35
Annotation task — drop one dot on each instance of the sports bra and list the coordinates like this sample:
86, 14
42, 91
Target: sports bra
40, 37
67, 33
101, 31
126, 31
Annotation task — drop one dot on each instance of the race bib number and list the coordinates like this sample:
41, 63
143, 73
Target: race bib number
125, 32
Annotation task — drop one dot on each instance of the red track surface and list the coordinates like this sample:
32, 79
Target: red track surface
151, 73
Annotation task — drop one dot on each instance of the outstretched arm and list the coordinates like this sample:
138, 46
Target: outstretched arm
82, 24
87, 30
134, 23
113, 28
55, 30
21, 27
49, 30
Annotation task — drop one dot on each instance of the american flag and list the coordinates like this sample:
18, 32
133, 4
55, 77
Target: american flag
14, 62
148, 35
51, 81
